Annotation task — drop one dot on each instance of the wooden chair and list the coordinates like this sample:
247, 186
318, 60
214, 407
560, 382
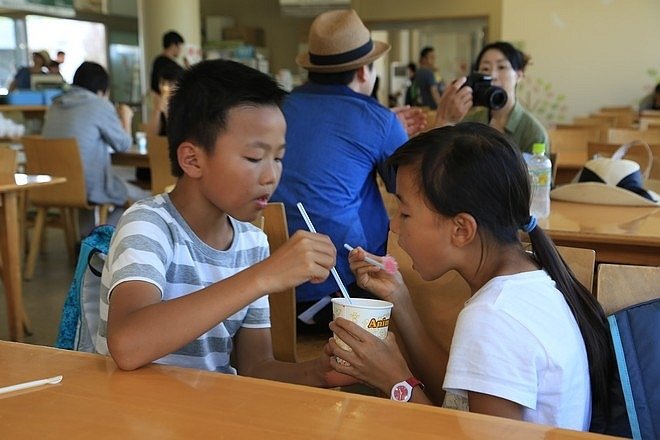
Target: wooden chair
622, 119
8, 160
282, 304
617, 109
602, 119
652, 113
621, 286
572, 140
623, 135
649, 123
159, 163
61, 158
598, 132
439, 302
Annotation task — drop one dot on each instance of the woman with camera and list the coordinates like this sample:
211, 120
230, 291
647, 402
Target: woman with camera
480, 98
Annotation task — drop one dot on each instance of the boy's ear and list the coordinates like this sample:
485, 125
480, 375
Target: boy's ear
464, 229
189, 157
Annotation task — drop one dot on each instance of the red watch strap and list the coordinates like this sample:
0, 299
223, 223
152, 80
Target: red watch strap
413, 382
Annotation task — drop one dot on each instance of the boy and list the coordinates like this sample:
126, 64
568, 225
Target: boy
186, 275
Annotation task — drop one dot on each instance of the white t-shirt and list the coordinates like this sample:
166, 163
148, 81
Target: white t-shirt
517, 339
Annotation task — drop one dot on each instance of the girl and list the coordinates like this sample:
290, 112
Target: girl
531, 343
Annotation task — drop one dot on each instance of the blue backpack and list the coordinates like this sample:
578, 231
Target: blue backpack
635, 334
80, 315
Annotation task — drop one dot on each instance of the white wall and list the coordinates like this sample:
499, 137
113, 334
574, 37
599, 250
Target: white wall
593, 52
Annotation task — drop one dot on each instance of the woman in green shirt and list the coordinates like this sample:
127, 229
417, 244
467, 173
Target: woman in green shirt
506, 65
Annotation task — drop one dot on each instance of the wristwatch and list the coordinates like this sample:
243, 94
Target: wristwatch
402, 391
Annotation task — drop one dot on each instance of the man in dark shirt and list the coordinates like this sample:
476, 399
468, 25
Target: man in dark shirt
172, 43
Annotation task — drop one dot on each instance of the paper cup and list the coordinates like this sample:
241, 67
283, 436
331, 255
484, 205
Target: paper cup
370, 314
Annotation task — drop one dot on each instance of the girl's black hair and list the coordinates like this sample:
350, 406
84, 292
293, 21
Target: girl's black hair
473, 168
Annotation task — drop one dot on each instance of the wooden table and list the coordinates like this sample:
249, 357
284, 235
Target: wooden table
10, 186
96, 400
618, 234
132, 157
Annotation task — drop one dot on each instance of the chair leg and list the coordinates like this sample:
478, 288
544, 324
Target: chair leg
102, 214
35, 243
69, 233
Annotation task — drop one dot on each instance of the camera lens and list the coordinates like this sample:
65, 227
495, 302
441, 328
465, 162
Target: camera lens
496, 98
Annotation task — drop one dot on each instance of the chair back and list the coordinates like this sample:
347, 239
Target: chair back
8, 160
572, 140
582, 262
620, 286
621, 118
649, 123
597, 132
159, 163
282, 304
60, 158
601, 119
623, 135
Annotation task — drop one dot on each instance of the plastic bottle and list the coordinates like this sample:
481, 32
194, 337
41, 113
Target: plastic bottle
540, 176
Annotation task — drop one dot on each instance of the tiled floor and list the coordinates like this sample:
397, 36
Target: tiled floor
44, 295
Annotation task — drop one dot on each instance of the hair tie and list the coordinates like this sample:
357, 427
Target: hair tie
530, 225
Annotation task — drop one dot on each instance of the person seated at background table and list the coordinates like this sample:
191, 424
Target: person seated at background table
40, 63
651, 101
84, 112
506, 65
531, 343
187, 276
338, 139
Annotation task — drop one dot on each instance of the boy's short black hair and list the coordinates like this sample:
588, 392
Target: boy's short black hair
92, 76
205, 93
170, 38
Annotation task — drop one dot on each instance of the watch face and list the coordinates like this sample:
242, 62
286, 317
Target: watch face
401, 393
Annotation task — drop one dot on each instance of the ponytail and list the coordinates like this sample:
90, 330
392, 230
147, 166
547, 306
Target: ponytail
588, 313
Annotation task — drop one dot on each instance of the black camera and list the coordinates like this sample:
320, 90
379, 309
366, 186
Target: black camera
484, 94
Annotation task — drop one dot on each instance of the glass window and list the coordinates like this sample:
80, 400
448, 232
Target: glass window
7, 53
80, 40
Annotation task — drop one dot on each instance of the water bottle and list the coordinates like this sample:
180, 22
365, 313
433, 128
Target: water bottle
540, 176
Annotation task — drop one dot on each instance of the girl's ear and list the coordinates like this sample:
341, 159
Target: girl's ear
190, 159
464, 229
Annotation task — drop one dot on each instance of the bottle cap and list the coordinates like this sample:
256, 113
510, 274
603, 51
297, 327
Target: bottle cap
538, 148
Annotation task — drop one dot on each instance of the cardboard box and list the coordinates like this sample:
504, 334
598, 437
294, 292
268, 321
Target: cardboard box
248, 35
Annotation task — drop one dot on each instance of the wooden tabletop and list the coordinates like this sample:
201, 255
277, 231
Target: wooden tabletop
97, 400
14, 182
23, 108
618, 234
133, 157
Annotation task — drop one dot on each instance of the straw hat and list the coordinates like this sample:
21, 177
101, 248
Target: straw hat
339, 42
44, 55
608, 182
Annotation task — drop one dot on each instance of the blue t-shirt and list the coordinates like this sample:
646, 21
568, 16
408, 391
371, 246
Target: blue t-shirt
337, 140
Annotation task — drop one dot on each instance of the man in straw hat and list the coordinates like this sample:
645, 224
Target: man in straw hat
40, 62
338, 138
